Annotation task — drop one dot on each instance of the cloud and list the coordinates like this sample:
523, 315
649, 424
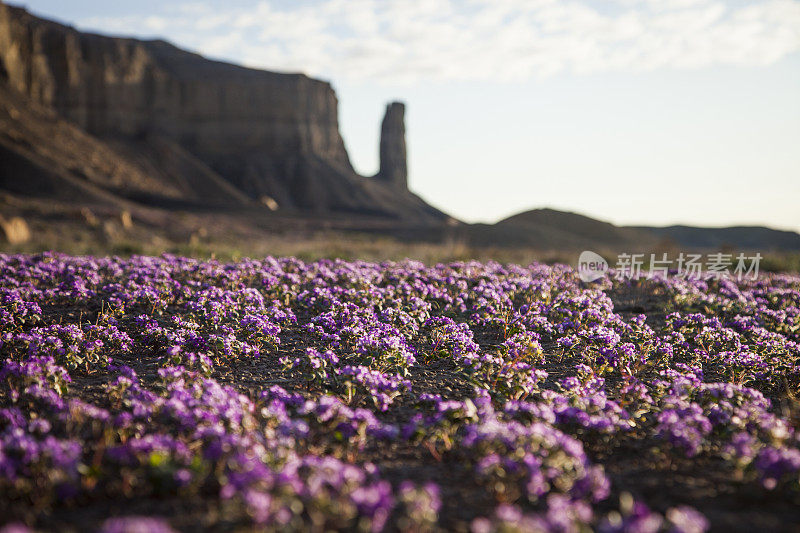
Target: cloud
500, 40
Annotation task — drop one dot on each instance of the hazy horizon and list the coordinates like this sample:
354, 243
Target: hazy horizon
636, 112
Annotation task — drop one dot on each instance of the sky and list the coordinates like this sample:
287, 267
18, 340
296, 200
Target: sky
651, 112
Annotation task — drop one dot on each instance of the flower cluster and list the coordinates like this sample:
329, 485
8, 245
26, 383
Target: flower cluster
284, 395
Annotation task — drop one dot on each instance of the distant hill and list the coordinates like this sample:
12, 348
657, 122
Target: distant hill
554, 230
736, 237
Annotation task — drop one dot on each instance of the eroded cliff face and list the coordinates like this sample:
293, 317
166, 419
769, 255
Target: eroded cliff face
268, 134
111, 86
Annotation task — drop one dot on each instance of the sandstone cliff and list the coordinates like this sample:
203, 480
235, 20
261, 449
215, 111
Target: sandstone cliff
42, 155
267, 134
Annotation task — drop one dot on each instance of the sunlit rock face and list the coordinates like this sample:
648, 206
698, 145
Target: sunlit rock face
267, 133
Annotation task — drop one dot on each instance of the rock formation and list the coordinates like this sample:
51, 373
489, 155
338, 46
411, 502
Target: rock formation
264, 133
393, 168
14, 230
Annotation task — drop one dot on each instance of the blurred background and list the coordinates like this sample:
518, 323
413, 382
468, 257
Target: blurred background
432, 129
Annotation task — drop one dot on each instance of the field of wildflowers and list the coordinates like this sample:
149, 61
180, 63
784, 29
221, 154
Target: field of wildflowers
166, 393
